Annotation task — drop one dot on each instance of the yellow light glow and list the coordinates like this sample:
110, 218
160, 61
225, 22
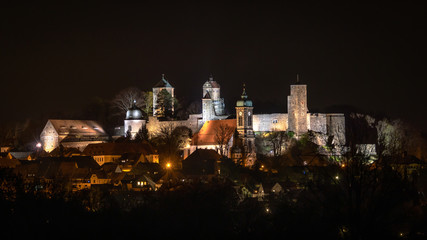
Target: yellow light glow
168, 165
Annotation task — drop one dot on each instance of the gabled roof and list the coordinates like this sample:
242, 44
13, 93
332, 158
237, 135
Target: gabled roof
81, 127
118, 148
203, 154
211, 83
64, 151
206, 135
20, 155
163, 83
201, 162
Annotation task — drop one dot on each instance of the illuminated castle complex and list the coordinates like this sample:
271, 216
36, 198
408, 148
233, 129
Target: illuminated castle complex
207, 124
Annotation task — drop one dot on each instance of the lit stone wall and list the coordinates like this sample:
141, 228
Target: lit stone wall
49, 137
335, 123
207, 109
154, 125
133, 126
270, 122
213, 92
318, 122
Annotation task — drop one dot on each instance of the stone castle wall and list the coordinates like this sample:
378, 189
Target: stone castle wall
335, 123
270, 122
133, 126
154, 126
318, 122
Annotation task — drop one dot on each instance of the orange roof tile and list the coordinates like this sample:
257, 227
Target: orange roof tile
206, 135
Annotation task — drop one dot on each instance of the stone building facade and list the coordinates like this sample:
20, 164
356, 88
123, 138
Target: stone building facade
71, 134
213, 106
163, 84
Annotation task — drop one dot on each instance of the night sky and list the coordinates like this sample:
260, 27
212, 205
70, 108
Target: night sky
372, 57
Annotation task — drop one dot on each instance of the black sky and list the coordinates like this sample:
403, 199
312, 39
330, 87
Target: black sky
58, 57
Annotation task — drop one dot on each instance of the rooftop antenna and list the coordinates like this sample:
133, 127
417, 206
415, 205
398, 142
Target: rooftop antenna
163, 76
297, 78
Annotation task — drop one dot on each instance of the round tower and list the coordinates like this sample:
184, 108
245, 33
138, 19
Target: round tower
135, 120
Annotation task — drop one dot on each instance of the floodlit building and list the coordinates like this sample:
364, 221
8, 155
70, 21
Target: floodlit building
71, 134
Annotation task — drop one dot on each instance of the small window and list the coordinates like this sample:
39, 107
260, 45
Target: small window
274, 121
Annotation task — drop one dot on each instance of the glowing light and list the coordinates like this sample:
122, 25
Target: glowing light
337, 177
343, 165
38, 145
168, 165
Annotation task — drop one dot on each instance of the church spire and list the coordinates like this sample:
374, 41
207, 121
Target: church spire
244, 95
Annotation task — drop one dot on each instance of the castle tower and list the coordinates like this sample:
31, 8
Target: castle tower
134, 121
298, 121
163, 90
212, 103
244, 117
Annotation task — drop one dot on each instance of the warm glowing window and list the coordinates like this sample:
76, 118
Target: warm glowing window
240, 121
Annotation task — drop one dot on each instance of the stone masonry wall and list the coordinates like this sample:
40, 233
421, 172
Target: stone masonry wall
270, 122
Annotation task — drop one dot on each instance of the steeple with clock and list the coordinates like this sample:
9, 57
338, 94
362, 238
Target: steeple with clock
244, 118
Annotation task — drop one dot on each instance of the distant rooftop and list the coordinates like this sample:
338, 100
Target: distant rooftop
163, 83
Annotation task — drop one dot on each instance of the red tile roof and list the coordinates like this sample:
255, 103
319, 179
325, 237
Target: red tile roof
206, 135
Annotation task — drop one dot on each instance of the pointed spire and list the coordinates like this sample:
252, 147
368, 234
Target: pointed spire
210, 77
244, 96
163, 76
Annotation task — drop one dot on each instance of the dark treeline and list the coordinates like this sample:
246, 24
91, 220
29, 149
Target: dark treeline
382, 205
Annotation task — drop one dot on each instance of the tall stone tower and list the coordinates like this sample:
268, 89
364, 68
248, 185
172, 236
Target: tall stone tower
298, 119
212, 104
163, 84
244, 117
